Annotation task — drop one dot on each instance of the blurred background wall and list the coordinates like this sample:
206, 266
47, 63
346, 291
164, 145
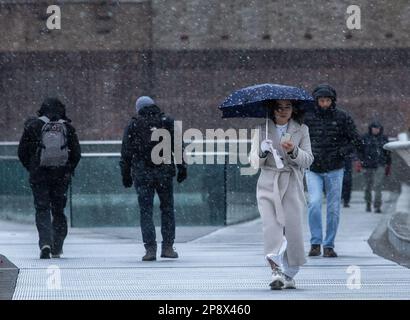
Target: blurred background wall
189, 54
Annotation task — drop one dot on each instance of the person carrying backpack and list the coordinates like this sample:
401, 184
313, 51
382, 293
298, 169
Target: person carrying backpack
50, 151
148, 176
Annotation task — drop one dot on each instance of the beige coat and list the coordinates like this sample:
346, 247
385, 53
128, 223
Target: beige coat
280, 192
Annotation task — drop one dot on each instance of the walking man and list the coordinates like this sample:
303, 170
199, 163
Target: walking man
138, 168
332, 134
376, 164
49, 149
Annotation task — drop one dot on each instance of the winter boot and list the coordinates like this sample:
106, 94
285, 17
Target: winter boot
56, 254
56, 251
329, 253
368, 207
168, 252
45, 252
314, 250
151, 253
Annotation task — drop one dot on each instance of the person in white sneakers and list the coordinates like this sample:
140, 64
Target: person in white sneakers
283, 156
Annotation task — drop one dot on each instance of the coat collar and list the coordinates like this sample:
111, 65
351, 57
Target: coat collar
292, 127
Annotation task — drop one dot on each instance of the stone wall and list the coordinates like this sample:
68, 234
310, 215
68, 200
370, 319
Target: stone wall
190, 54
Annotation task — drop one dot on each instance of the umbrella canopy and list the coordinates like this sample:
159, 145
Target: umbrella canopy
251, 102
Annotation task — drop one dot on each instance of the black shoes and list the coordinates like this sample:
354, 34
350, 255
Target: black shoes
151, 253
166, 252
169, 252
314, 250
45, 252
376, 209
329, 253
56, 254
346, 205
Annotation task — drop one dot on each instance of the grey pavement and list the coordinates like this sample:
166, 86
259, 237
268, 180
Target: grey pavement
215, 263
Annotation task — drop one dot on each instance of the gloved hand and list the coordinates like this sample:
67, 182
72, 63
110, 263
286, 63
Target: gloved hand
182, 174
387, 170
127, 181
266, 146
358, 166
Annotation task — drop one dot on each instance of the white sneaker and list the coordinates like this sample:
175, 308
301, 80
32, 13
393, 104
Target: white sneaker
278, 280
289, 283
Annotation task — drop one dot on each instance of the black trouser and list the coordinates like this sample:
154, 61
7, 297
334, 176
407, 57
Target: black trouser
347, 182
50, 196
146, 190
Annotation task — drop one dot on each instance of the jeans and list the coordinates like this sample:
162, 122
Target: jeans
332, 182
146, 191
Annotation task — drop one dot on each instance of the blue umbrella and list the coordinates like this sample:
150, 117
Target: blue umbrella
251, 102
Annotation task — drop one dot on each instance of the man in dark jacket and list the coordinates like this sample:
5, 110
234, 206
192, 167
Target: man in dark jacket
332, 134
377, 164
148, 176
49, 183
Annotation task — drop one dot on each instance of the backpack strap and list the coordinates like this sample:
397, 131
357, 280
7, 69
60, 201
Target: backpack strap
44, 119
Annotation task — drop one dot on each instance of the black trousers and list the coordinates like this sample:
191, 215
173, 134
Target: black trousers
50, 199
146, 189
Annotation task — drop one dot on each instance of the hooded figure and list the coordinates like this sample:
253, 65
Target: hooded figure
324, 90
148, 176
374, 154
53, 109
49, 183
376, 163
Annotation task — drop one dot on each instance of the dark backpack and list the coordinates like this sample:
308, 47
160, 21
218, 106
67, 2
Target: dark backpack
53, 143
144, 127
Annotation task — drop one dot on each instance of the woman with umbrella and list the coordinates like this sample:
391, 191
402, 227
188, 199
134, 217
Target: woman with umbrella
281, 148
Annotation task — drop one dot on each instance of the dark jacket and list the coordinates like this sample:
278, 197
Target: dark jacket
28, 150
374, 154
333, 136
137, 146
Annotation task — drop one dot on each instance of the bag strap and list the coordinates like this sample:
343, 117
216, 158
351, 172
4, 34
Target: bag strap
44, 119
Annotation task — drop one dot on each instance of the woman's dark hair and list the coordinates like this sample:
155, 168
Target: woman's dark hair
298, 114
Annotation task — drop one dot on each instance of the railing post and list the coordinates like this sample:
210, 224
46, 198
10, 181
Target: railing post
225, 192
71, 202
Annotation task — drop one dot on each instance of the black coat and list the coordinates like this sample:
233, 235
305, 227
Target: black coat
333, 136
374, 154
137, 146
29, 155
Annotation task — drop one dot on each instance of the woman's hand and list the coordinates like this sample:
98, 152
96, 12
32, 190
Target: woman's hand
266, 146
288, 146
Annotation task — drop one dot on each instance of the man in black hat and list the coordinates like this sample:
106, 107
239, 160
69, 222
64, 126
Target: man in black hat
332, 134
49, 149
148, 177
